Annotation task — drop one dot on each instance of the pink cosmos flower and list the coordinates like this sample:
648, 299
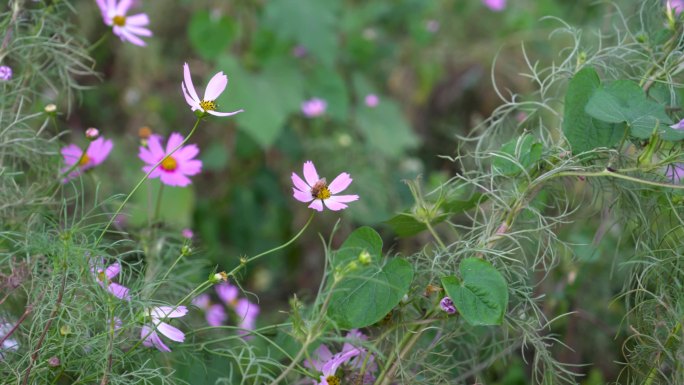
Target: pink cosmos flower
128, 28
104, 277
317, 190
175, 168
314, 107
149, 334
495, 5
372, 100
364, 360
325, 362
96, 153
676, 5
246, 311
215, 314
5, 73
214, 89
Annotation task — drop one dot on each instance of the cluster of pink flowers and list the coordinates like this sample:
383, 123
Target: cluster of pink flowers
246, 312
355, 357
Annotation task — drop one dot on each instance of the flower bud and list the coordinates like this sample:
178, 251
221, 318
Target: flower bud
144, 132
186, 250
365, 258
92, 133
53, 362
50, 108
219, 277
447, 305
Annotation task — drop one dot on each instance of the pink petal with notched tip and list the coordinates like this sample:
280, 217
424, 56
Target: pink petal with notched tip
216, 315
129, 36
334, 206
310, 174
169, 311
194, 104
139, 31
299, 183
119, 291
340, 183
227, 292
302, 196
188, 83
112, 270
316, 205
190, 167
139, 20
174, 141
71, 153
216, 86
146, 156
99, 150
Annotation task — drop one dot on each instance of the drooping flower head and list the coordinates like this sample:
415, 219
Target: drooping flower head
5, 73
128, 28
175, 167
447, 305
495, 5
104, 277
325, 362
96, 153
316, 190
214, 89
314, 107
158, 314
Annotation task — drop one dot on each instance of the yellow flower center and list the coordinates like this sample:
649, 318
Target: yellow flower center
333, 380
320, 190
84, 160
169, 164
208, 105
119, 20
101, 276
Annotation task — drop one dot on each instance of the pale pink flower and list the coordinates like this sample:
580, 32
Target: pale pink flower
316, 190
158, 314
299, 51
104, 277
372, 100
214, 313
187, 233
495, 5
246, 311
96, 153
365, 360
217, 84
314, 107
228, 293
432, 26
5, 73
128, 28
325, 362
175, 167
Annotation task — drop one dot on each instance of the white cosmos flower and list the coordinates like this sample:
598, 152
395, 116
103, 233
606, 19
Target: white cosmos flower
216, 86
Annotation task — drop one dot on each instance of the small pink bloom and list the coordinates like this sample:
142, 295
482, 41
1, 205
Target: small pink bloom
676, 5
5, 73
216, 315
372, 100
92, 133
202, 301
228, 293
299, 51
96, 153
247, 313
447, 305
365, 359
495, 5
104, 277
217, 84
314, 107
149, 334
128, 28
432, 26
187, 234
325, 362
317, 191
175, 168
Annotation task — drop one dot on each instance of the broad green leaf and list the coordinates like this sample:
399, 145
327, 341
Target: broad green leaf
310, 23
210, 36
268, 97
386, 129
480, 295
517, 155
362, 239
583, 132
366, 295
623, 101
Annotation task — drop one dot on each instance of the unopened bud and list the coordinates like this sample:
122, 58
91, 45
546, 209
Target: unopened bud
65, 330
50, 108
219, 277
365, 258
144, 132
53, 362
186, 250
92, 133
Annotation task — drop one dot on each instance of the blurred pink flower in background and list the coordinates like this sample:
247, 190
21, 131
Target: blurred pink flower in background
215, 314
96, 153
217, 84
246, 311
314, 107
187, 233
675, 172
175, 168
676, 5
495, 5
299, 51
5, 73
104, 277
372, 100
158, 314
317, 190
128, 28
432, 26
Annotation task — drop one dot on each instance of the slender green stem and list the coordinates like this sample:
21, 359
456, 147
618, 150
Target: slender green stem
616, 174
137, 186
98, 42
248, 260
435, 235
157, 207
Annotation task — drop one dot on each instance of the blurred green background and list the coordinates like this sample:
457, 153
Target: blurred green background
429, 63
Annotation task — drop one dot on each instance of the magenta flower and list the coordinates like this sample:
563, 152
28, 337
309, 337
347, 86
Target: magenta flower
5, 73
317, 190
676, 5
325, 362
447, 305
96, 153
214, 313
495, 5
128, 28
228, 293
372, 100
104, 277
187, 233
174, 168
364, 360
157, 314
314, 107
215, 88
